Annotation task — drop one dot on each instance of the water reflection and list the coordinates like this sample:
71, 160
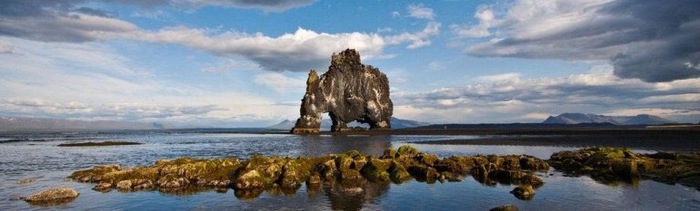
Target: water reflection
41, 158
248, 195
321, 145
354, 196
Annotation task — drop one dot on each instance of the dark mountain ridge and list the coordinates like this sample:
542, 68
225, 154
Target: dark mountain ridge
578, 118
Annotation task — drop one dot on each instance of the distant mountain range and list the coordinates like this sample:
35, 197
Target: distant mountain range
24, 124
579, 118
16, 124
396, 123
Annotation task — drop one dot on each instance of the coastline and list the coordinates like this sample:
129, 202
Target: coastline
648, 138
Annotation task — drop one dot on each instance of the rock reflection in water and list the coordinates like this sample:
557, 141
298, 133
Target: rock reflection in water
354, 196
247, 195
341, 196
321, 145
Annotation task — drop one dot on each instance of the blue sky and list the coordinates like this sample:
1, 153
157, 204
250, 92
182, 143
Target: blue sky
243, 63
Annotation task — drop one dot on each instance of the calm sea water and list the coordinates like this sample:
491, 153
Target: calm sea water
37, 156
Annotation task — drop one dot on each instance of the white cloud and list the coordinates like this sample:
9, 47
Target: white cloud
384, 30
420, 12
500, 78
69, 27
281, 83
6, 48
417, 39
534, 116
421, 38
296, 51
511, 97
486, 18
90, 81
640, 40
432, 115
277, 5
230, 65
687, 97
435, 65
694, 113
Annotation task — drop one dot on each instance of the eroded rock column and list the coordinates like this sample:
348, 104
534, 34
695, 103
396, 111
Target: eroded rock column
348, 91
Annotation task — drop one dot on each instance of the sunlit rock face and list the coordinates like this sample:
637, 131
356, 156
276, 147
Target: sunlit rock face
348, 91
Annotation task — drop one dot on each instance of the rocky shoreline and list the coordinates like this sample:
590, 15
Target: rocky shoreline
248, 178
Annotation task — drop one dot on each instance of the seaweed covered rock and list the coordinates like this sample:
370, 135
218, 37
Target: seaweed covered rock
293, 174
349, 165
251, 179
611, 164
103, 187
259, 172
376, 170
94, 174
455, 165
602, 163
53, 196
285, 175
398, 173
524, 192
165, 175
348, 91
505, 207
405, 151
424, 173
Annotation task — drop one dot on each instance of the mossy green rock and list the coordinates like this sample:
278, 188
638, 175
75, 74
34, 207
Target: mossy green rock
350, 175
53, 196
376, 170
609, 164
427, 159
424, 173
285, 175
389, 153
295, 172
314, 179
524, 192
406, 151
251, 179
328, 170
532, 163
506, 207
94, 174
398, 173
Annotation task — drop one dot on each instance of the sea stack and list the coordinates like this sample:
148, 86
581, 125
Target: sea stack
348, 91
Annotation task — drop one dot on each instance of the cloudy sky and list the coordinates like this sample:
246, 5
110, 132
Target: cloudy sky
242, 63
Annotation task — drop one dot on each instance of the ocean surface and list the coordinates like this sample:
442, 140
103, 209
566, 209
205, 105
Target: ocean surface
36, 156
